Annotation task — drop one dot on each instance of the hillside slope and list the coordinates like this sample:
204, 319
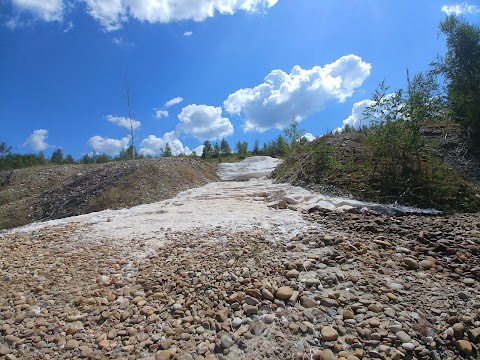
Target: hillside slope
342, 164
44, 193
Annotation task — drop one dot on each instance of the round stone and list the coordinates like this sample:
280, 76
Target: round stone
327, 354
464, 346
425, 264
329, 333
71, 344
103, 280
410, 263
403, 337
408, 346
307, 302
285, 292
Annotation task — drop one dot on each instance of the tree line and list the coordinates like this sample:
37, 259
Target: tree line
278, 147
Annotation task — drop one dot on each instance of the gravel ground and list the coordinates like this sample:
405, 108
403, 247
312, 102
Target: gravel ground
250, 278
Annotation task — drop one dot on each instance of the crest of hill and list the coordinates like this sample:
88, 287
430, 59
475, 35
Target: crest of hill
342, 164
58, 191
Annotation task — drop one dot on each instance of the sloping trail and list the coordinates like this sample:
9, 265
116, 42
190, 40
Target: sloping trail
245, 199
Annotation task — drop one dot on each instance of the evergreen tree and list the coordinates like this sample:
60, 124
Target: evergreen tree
216, 151
57, 157
225, 148
242, 149
256, 148
69, 159
86, 159
102, 159
207, 150
282, 146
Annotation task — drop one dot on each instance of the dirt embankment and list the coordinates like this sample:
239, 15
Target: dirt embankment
44, 193
343, 165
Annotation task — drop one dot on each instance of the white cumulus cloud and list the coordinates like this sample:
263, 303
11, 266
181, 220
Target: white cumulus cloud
112, 13
188, 33
356, 118
123, 122
173, 101
37, 140
309, 136
46, 10
459, 9
108, 146
198, 150
301, 93
153, 145
204, 122
160, 113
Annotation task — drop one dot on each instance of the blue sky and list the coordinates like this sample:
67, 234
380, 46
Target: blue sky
201, 69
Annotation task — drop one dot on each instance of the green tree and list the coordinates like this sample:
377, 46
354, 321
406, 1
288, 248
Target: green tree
216, 151
293, 134
126, 154
86, 159
265, 149
282, 146
242, 149
69, 159
225, 148
461, 69
167, 151
207, 150
57, 157
256, 148
102, 159
5, 154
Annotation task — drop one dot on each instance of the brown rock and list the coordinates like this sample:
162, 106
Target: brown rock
285, 292
307, 302
329, 333
464, 346
327, 302
267, 294
162, 355
221, 315
411, 264
71, 344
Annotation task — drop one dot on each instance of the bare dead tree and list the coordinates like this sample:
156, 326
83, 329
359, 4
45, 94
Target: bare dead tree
129, 109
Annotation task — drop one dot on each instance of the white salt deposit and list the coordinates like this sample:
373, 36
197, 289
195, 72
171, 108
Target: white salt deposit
232, 205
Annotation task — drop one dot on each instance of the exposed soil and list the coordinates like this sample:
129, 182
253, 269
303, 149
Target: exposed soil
53, 192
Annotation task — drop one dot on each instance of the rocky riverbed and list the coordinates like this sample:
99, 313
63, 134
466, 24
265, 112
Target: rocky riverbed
217, 273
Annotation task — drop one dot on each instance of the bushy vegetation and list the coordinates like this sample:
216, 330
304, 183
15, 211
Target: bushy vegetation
390, 160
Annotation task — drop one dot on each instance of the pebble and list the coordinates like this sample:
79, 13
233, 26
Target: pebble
284, 292
403, 337
226, 341
410, 263
329, 334
355, 298
327, 354
72, 344
307, 302
464, 346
